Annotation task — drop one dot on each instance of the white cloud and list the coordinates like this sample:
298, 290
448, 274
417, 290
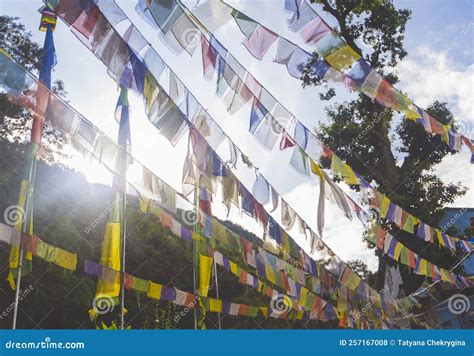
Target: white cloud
430, 76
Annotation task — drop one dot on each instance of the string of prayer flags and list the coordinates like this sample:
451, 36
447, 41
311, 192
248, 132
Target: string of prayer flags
359, 70
161, 292
347, 66
183, 237
287, 247
35, 246
268, 272
400, 253
259, 112
153, 185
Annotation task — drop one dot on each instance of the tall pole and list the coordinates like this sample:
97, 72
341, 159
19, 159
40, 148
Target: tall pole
47, 24
123, 231
196, 204
124, 141
25, 228
217, 293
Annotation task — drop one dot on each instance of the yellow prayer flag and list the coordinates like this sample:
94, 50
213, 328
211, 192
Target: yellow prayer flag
195, 236
149, 90
234, 269
398, 250
111, 246
264, 311
303, 296
316, 169
66, 259
423, 267
337, 166
270, 274
411, 114
444, 275
439, 236
205, 265
144, 204
349, 175
342, 58
384, 205
110, 258
286, 242
19, 214
154, 209
154, 290
215, 305
410, 224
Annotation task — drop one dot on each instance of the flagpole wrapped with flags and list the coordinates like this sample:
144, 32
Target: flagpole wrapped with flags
110, 290
24, 221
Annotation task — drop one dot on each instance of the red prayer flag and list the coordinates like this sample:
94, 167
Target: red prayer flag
286, 141
209, 58
386, 94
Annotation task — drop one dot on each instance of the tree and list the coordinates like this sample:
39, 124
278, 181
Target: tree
372, 139
359, 267
16, 121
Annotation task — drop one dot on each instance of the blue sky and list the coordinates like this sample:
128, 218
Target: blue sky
439, 66
436, 23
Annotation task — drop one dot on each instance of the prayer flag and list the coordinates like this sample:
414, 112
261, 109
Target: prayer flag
260, 41
315, 30
205, 265
209, 58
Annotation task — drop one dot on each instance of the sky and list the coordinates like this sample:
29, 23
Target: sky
440, 65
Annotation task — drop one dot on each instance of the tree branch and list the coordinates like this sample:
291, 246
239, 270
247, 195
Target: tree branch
341, 19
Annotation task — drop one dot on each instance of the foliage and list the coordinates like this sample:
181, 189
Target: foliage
16, 121
377, 142
67, 215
